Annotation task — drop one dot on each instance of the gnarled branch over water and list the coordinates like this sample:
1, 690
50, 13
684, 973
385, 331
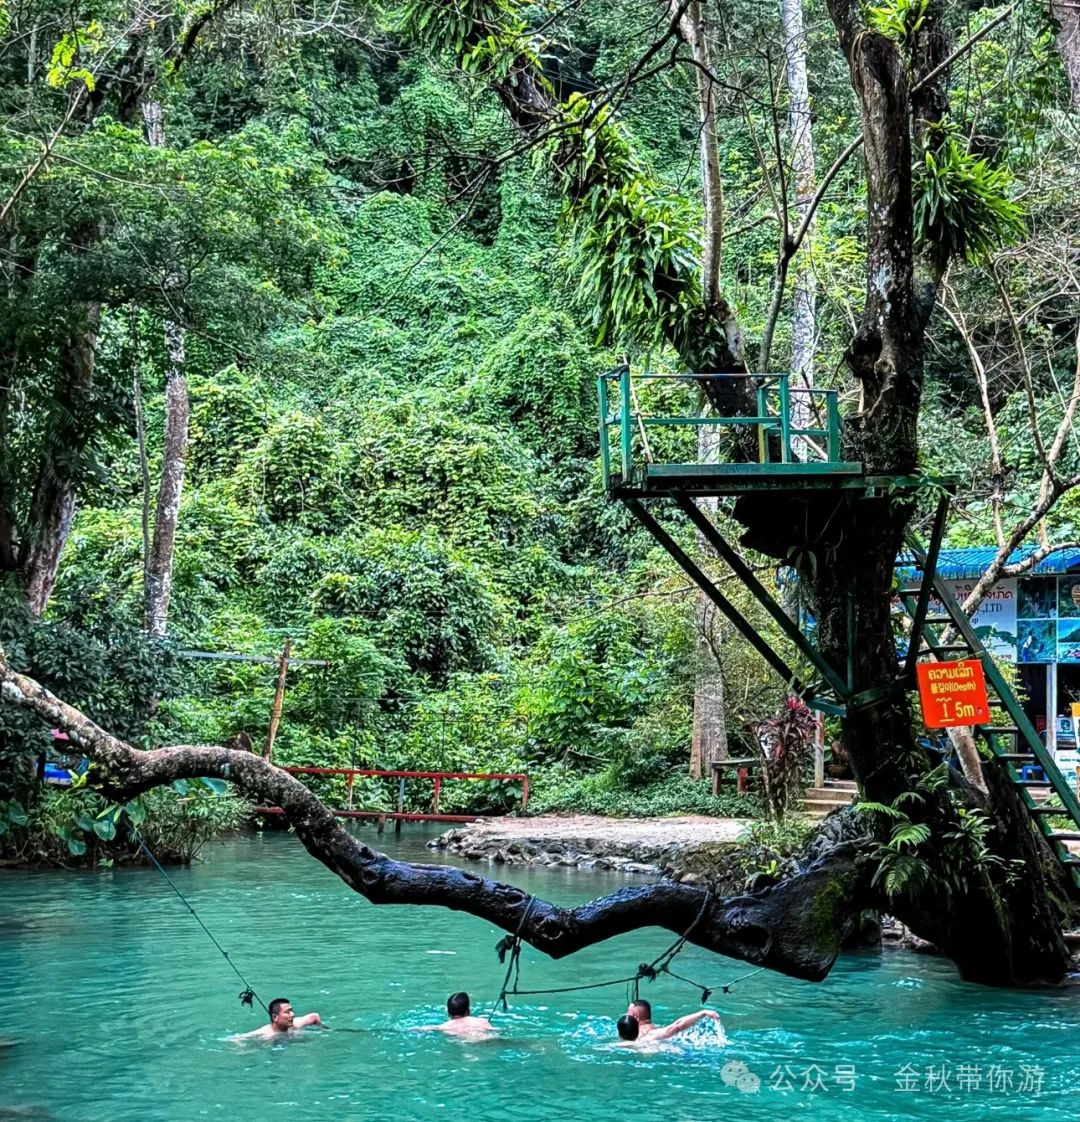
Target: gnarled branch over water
796, 927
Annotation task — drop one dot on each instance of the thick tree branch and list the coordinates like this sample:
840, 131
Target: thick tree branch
795, 928
997, 462
1035, 557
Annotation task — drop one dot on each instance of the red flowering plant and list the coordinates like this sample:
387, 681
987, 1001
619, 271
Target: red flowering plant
786, 744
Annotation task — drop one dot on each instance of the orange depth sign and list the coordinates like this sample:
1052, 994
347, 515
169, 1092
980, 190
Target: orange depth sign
953, 693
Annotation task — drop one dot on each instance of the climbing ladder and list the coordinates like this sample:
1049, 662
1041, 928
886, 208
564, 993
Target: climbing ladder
1012, 738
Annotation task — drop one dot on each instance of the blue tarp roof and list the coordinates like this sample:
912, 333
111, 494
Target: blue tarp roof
968, 564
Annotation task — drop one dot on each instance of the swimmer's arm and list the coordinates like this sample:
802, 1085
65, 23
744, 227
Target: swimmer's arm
307, 1019
683, 1023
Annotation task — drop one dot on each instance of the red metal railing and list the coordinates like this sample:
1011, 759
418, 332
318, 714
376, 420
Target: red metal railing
400, 815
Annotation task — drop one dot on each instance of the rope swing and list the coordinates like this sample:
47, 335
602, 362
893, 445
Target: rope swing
508, 949
511, 945
247, 995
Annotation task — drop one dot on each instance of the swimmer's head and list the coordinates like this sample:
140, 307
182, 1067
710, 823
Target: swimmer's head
281, 1013
640, 1010
457, 1005
628, 1027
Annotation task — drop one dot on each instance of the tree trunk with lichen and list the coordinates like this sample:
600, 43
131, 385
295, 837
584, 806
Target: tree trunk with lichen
999, 927
159, 563
1067, 14
803, 296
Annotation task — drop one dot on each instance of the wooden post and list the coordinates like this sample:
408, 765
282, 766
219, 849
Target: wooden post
400, 804
819, 750
279, 697
438, 791
350, 799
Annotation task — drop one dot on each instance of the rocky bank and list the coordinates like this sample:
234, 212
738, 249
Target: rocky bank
673, 847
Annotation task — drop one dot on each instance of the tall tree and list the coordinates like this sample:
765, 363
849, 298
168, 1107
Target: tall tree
99, 74
995, 926
644, 277
804, 293
159, 564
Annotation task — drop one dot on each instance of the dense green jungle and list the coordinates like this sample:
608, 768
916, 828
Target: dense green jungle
391, 334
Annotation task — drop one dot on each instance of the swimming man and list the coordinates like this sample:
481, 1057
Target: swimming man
282, 1022
461, 1022
637, 1026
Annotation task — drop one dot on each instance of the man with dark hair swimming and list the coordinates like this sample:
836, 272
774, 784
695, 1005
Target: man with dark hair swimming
283, 1021
636, 1026
461, 1022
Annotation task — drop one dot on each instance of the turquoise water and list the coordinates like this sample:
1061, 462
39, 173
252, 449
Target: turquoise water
119, 1009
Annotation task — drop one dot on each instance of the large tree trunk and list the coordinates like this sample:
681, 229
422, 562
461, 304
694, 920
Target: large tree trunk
8, 543
159, 564
52, 506
710, 742
997, 927
47, 523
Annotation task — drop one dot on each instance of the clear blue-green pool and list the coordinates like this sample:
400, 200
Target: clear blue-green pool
119, 1008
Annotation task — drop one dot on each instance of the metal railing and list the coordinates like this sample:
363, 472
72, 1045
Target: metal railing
400, 814
779, 441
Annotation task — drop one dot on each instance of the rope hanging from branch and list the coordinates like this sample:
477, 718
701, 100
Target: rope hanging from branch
248, 995
510, 945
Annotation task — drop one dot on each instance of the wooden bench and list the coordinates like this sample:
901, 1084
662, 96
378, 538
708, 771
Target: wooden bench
742, 764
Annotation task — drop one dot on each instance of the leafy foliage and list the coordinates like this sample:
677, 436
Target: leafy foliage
900, 19
962, 203
958, 832
76, 827
633, 248
786, 743
391, 354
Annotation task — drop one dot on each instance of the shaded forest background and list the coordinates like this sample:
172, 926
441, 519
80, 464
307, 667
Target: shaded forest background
393, 451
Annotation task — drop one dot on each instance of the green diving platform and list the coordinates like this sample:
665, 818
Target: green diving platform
646, 447
654, 454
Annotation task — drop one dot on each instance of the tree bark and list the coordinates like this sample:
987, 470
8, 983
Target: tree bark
8, 541
796, 927
709, 742
1067, 13
694, 33
997, 927
159, 566
804, 294
52, 505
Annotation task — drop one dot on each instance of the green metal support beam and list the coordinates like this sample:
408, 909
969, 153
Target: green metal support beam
701, 579
738, 566
926, 587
